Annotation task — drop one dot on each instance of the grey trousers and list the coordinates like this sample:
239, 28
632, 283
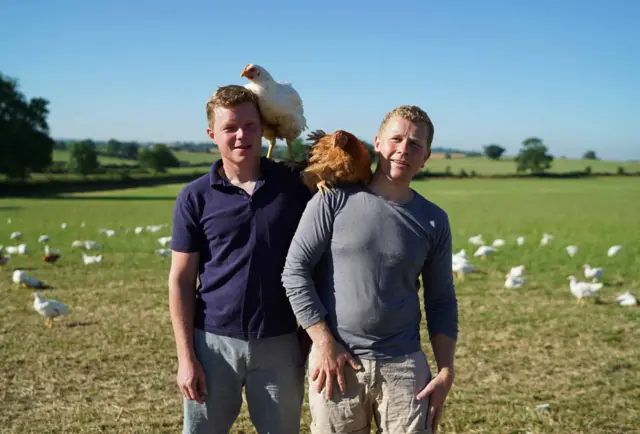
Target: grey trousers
272, 372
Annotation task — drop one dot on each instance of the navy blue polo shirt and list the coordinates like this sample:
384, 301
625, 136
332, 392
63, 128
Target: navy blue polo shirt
243, 242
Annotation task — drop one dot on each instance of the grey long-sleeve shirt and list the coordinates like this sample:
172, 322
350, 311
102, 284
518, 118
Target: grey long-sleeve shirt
355, 261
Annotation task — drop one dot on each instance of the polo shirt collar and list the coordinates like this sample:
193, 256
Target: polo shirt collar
266, 166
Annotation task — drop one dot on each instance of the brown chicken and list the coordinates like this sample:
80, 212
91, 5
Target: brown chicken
336, 158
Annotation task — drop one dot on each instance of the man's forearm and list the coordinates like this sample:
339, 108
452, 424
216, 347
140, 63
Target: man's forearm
182, 299
320, 333
444, 348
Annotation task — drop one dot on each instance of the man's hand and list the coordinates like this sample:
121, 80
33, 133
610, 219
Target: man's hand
330, 358
437, 390
191, 379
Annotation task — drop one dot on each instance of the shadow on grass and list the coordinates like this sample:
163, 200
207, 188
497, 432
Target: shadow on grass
80, 324
10, 208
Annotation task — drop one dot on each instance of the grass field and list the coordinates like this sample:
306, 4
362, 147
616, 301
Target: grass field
110, 366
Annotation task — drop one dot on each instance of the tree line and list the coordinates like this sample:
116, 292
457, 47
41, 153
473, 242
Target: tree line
27, 147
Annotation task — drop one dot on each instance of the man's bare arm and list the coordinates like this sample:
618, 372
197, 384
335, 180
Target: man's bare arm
182, 297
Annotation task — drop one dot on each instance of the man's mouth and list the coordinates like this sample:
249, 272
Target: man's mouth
243, 147
400, 163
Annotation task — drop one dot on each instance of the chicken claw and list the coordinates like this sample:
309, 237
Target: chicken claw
324, 186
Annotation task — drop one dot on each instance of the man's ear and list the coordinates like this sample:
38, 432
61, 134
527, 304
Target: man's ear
210, 133
427, 155
376, 144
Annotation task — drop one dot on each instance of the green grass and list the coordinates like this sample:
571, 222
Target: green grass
110, 366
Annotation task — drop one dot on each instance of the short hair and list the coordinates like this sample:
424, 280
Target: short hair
411, 113
227, 97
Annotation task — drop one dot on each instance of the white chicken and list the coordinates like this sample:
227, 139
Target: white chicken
50, 309
163, 252
16, 235
517, 271
627, 299
572, 250
20, 278
43, 239
546, 238
498, 242
280, 106
520, 240
593, 273
513, 282
614, 250
581, 290
484, 251
476, 240
91, 259
164, 241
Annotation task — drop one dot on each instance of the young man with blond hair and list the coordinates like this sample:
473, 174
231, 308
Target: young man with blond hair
235, 329
352, 277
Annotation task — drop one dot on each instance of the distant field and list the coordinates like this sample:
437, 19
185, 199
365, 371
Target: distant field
189, 157
485, 166
110, 366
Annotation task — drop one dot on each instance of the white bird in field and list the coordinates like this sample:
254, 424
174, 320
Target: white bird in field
614, 250
154, 228
164, 240
91, 259
484, 251
517, 271
163, 252
138, 230
498, 243
63, 226
16, 235
20, 249
572, 250
546, 238
476, 240
581, 290
9, 220
20, 278
513, 282
593, 273
627, 299
520, 240
43, 239
280, 106
50, 309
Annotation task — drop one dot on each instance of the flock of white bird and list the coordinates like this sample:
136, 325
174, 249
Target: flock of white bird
460, 266
515, 277
51, 309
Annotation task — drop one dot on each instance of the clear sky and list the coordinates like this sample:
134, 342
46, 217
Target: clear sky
486, 71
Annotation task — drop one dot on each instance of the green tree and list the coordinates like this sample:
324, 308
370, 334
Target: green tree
157, 158
25, 144
533, 156
114, 148
590, 155
493, 151
130, 150
83, 157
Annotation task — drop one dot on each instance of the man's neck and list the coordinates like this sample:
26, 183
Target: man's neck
241, 174
389, 189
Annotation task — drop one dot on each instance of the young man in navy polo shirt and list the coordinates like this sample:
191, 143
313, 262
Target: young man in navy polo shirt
232, 229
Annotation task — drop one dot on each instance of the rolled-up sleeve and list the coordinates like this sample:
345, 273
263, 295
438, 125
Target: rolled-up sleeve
311, 240
186, 233
440, 302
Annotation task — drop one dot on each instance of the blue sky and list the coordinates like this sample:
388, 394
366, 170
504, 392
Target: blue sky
486, 71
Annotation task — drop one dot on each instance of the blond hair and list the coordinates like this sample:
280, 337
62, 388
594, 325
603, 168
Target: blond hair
227, 97
413, 114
